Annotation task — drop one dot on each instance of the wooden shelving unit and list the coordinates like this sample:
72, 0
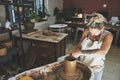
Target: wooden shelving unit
14, 52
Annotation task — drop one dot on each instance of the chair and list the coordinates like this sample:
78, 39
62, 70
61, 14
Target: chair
87, 17
114, 20
77, 30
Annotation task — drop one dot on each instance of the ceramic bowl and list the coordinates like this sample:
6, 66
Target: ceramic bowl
3, 50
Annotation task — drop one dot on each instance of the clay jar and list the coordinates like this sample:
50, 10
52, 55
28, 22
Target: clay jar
70, 65
29, 26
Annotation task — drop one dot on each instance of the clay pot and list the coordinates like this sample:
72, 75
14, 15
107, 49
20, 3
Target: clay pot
29, 25
70, 65
3, 50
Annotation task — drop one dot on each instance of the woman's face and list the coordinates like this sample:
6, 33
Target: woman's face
94, 31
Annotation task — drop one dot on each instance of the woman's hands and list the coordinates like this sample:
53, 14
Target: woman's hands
77, 53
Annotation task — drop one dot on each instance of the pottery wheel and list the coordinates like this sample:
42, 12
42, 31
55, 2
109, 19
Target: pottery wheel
62, 76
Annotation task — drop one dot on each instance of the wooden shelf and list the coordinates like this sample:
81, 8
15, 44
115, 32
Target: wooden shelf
7, 30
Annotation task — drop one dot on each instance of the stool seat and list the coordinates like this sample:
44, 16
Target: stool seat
78, 29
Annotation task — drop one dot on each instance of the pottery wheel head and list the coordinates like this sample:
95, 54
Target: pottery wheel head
76, 76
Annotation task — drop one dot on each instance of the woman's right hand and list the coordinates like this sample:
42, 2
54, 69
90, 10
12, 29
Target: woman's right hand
77, 53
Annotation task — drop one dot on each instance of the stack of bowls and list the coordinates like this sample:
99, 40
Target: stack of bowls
8, 43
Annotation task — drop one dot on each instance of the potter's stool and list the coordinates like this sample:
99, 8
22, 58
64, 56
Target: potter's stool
78, 29
58, 27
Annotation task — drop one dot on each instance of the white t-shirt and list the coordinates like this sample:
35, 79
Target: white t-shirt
94, 61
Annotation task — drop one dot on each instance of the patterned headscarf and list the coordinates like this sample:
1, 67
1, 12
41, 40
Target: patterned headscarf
96, 21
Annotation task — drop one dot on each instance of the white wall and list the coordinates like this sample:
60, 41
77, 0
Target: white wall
2, 13
41, 25
51, 5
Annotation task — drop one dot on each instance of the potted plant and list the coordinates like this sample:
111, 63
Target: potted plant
58, 14
43, 13
67, 14
31, 16
35, 16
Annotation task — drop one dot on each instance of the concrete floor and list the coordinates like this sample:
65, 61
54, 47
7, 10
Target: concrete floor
112, 64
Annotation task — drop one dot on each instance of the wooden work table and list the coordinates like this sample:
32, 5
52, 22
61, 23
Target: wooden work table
49, 48
38, 35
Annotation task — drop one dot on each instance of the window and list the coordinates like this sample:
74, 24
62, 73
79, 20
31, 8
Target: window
34, 4
41, 5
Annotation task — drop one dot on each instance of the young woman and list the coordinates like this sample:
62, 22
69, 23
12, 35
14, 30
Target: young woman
94, 45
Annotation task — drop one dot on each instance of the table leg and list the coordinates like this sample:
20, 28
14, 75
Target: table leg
116, 37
